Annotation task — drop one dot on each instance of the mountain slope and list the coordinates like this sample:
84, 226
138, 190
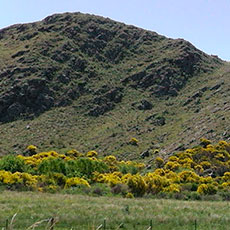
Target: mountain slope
83, 81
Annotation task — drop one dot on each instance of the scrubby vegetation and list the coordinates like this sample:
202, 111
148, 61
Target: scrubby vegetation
92, 81
200, 171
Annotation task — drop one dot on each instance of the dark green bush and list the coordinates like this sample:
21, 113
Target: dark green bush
53, 166
13, 164
194, 196
82, 167
85, 167
124, 168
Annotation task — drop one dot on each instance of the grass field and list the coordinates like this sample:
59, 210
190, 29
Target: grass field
87, 213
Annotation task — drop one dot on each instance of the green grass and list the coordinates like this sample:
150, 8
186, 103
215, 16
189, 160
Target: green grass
86, 213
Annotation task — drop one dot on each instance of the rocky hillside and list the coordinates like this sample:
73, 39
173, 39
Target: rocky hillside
81, 81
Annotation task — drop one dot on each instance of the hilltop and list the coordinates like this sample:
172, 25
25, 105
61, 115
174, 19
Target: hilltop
82, 81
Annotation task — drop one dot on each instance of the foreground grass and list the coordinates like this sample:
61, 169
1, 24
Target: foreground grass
86, 213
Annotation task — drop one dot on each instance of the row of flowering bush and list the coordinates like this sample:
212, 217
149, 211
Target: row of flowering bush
204, 169
23, 180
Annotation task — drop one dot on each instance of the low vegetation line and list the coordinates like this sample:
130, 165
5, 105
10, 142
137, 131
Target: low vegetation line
196, 173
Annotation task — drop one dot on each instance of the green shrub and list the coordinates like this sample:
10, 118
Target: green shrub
59, 179
53, 166
194, 196
13, 164
124, 168
85, 167
82, 167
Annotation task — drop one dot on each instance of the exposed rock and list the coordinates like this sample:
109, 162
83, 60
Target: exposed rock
113, 95
32, 96
101, 109
106, 102
145, 154
180, 147
204, 89
195, 97
15, 110
217, 86
156, 119
19, 53
143, 105
197, 94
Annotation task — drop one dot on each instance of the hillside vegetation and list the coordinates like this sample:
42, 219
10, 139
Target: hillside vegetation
192, 174
81, 81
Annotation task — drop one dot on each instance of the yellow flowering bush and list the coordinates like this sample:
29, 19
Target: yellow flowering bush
189, 170
188, 176
172, 188
220, 157
109, 178
173, 158
155, 151
76, 181
172, 165
199, 169
38, 158
18, 178
159, 162
92, 154
133, 141
156, 183
129, 195
206, 180
111, 161
7, 178
187, 163
137, 185
207, 189
73, 153
31, 149
204, 142
205, 164
160, 172
226, 185
226, 176
173, 177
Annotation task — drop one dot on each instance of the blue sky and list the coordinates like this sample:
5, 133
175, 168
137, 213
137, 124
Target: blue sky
205, 23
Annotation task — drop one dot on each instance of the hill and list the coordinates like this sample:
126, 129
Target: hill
81, 81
